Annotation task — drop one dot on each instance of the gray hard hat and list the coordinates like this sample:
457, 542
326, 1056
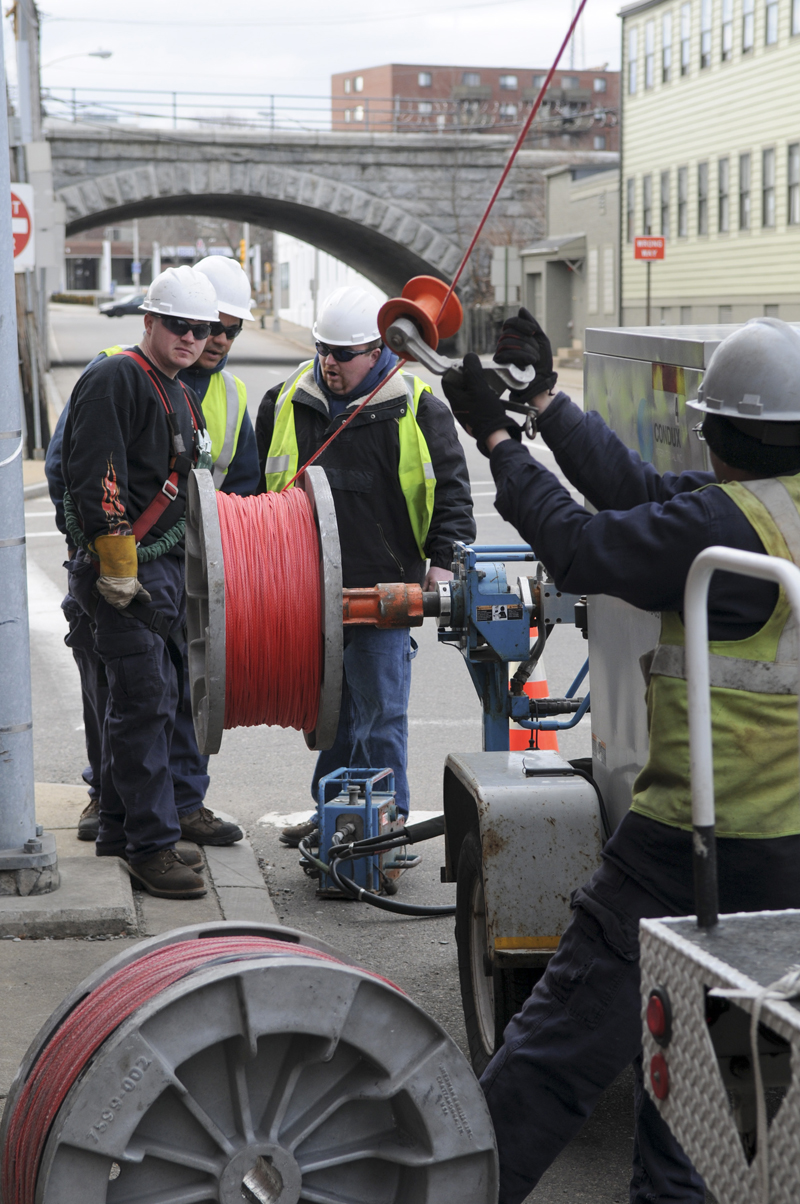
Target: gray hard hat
754, 375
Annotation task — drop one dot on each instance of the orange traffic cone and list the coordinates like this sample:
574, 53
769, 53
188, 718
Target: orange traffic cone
519, 738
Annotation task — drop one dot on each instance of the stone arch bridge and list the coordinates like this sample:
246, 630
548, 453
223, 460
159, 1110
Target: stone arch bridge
390, 205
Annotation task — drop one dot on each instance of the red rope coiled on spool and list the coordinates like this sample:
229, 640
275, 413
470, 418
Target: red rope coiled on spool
72, 1046
273, 610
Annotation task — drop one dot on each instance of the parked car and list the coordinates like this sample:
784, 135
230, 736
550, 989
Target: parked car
126, 305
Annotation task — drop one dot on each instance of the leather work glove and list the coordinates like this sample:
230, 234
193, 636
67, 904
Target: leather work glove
522, 342
118, 582
475, 404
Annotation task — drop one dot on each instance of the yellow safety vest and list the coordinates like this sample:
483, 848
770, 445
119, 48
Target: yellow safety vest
753, 700
223, 409
415, 470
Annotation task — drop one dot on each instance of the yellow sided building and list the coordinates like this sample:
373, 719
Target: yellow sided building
711, 159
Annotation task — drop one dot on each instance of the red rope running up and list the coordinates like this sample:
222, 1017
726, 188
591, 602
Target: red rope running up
273, 610
83, 1031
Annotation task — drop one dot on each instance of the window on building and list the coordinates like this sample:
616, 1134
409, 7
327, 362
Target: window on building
686, 37
347, 84
649, 53
630, 210
665, 204
771, 29
570, 83
795, 16
723, 196
358, 113
744, 192
358, 83
683, 202
647, 204
348, 116
748, 26
666, 48
724, 314
771, 311
425, 107
633, 45
705, 33
538, 80
600, 84
424, 79
608, 279
768, 188
471, 79
592, 281
508, 112
727, 30
686, 315
793, 199
599, 142
702, 198
508, 83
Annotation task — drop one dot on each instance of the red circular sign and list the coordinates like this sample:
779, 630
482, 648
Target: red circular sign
21, 224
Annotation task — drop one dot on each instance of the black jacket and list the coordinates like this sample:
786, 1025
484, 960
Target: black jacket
361, 464
117, 445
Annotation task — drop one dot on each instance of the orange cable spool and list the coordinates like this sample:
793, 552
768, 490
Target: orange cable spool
422, 300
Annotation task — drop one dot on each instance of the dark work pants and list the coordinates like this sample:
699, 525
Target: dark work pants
578, 1030
138, 812
188, 768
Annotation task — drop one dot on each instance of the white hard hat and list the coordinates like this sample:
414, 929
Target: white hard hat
348, 317
230, 284
182, 293
754, 374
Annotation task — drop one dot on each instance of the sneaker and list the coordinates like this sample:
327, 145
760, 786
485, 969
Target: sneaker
189, 854
89, 821
204, 827
167, 876
292, 836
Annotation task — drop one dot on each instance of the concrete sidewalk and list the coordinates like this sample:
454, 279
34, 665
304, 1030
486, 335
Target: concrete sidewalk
51, 942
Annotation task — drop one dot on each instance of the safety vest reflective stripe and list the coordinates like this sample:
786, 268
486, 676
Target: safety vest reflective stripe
416, 473
224, 406
753, 700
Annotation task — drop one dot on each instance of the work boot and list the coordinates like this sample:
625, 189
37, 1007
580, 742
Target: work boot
204, 827
292, 835
167, 876
189, 854
89, 821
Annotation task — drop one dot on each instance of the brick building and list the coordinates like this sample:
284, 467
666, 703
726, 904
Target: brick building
580, 110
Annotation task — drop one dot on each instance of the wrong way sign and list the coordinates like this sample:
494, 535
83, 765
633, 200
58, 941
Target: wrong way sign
22, 226
648, 248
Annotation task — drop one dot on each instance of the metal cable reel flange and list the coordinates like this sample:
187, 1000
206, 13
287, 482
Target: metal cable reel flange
205, 611
315, 483
278, 1079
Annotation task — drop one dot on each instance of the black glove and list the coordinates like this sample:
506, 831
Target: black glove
522, 342
475, 404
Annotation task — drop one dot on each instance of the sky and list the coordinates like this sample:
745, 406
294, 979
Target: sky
292, 49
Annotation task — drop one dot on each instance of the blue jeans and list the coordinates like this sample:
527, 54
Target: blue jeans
578, 1030
373, 722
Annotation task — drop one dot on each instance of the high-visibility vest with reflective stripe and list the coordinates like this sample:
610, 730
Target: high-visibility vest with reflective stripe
223, 409
415, 471
753, 700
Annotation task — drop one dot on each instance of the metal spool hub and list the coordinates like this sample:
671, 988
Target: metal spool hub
271, 1079
205, 609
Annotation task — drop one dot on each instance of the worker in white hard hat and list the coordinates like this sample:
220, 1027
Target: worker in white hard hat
132, 435
582, 1024
235, 470
401, 491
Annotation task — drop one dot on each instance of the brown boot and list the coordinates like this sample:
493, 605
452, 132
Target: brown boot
204, 827
167, 876
189, 854
89, 820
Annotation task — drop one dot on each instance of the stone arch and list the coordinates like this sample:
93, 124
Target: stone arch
373, 235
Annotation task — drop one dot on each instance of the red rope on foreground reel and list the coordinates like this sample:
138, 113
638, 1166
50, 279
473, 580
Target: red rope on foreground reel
273, 610
83, 1031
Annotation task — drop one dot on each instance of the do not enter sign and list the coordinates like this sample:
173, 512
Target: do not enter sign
22, 226
648, 248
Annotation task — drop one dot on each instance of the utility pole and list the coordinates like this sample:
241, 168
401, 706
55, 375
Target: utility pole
136, 266
22, 846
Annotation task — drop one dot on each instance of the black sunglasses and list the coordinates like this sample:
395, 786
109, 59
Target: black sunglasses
179, 326
230, 332
342, 355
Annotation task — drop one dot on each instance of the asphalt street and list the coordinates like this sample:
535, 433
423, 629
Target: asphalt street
262, 774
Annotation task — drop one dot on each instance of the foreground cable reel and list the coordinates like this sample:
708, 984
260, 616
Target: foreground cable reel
251, 1067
